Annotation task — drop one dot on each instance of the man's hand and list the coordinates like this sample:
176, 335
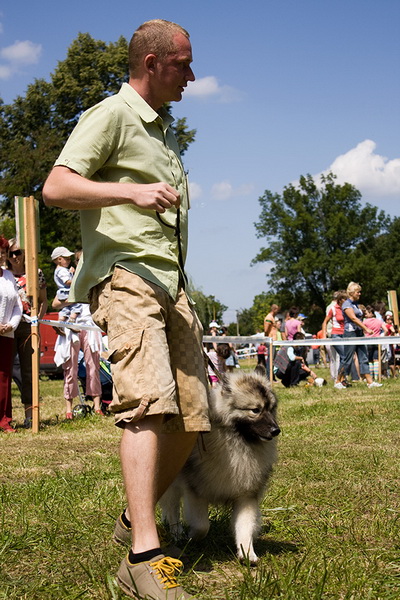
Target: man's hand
67, 189
156, 196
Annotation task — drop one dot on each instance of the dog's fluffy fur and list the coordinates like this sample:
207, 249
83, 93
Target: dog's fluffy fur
231, 464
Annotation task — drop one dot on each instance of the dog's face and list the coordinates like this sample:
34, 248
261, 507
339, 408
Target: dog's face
246, 403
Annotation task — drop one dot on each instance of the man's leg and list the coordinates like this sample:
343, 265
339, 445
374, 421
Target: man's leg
172, 452
140, 449
146, 571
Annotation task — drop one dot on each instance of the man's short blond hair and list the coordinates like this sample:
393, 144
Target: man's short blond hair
152, 37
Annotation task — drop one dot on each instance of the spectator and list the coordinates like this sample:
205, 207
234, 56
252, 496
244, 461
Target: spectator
355, 328
270, 330
10, 316
322, 351
262, 351
392, 330
378, 327
336, 318
290, 364
269, 322
67, 353
316, 353
302, 318
22, 335
63, 275
292, 325
217, 357
278, 329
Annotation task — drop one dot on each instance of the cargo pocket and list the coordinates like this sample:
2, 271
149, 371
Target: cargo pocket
127, 369
99, 300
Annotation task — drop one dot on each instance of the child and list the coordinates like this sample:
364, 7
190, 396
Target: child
217, 357
377, 326
61, 257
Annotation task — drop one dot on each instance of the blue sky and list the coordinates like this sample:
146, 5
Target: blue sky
283, 89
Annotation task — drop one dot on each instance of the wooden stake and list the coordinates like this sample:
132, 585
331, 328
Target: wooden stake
32, 290
271, 359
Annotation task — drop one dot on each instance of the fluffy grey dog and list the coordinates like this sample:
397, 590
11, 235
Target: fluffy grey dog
231, 464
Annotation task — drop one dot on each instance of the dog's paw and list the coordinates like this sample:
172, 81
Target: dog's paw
249, 556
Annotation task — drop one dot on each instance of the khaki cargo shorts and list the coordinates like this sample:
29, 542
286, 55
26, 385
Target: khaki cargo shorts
155, 349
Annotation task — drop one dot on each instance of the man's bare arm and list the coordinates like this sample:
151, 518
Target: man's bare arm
65, 188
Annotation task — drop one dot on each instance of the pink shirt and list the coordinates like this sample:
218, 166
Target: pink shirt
292, 327
374, 324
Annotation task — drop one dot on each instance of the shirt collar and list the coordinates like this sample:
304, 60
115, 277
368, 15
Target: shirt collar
144, 110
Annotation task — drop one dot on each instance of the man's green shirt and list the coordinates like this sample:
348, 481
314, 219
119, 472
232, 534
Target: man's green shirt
122, 139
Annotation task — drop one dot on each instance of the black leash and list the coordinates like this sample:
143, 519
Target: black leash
177, 233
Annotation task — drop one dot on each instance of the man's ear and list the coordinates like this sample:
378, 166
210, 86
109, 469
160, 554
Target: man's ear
150, 61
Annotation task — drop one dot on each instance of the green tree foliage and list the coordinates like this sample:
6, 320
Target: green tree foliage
35, 127
320, 237
208, 308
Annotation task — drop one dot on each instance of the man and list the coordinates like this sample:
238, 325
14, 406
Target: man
269, 322
121, 167
270, 331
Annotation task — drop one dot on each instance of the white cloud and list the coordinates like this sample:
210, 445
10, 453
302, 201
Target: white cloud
369, 172
195, 190
209, 87
224, 190
5, 72
18, 55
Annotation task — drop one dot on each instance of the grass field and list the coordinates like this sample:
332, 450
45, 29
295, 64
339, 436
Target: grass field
330, 518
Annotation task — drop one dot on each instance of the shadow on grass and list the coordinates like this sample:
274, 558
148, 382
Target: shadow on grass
219, 546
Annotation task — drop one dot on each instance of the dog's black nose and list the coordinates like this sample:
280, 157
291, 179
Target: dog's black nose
275, 431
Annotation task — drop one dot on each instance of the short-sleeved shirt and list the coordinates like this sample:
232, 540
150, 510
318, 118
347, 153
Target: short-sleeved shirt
61, 276
348, 323
122, 139
374, 324
292, 327
336, 314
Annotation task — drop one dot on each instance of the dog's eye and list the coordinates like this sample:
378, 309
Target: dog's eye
255, 411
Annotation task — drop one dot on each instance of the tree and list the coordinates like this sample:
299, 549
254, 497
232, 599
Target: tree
208, 308
320, 238
35, 127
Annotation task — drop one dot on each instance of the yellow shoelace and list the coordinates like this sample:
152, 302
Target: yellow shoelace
165, 568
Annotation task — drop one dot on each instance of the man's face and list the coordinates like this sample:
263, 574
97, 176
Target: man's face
174, 72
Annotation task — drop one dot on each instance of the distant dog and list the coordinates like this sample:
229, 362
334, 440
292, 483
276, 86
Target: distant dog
231, 464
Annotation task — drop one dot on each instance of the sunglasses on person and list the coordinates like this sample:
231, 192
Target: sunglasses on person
14, 253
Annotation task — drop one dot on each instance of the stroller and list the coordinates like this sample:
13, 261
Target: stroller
84, 407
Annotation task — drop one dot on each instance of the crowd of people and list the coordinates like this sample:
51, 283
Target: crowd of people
346, 318
16, 334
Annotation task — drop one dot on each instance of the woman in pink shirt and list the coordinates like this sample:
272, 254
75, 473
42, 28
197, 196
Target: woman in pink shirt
292, 325
378, 327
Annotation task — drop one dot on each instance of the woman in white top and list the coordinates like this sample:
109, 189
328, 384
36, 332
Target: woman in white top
10, 316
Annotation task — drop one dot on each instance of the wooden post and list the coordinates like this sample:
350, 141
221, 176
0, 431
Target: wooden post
379, 362
392, 298
32, 290
271, 360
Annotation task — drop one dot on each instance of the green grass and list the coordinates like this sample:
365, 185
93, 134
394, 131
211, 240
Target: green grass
330, 518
